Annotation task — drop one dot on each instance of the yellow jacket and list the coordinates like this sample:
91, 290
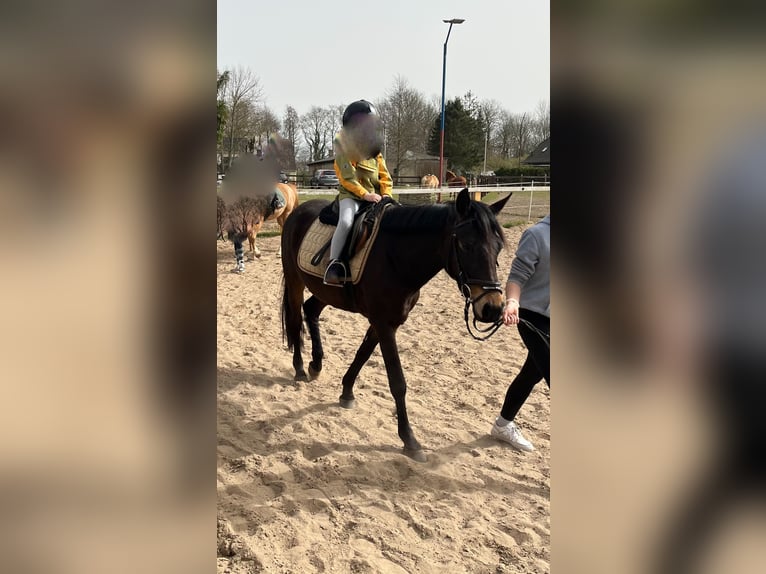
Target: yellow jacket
358, 178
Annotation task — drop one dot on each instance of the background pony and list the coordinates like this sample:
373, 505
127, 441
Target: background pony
453, 180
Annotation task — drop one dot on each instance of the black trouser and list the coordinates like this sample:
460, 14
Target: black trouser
535, 368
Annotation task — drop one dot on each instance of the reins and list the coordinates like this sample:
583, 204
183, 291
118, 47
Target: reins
542, 334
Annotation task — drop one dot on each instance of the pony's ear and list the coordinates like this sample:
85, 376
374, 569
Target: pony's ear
500, 204
463, 202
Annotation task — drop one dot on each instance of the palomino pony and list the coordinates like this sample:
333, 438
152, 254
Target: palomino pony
454, 180
429, 181
244, 217
413, 244
290, 194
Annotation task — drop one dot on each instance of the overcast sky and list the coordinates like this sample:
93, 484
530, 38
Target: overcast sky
327, 53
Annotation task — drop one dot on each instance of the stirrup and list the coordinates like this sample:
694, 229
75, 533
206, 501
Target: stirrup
331, 276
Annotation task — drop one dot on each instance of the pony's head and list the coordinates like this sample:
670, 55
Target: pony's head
477, 240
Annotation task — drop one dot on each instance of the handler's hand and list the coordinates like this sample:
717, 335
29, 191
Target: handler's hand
511, 312
372, 197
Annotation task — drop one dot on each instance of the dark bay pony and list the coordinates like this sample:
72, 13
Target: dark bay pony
414, 243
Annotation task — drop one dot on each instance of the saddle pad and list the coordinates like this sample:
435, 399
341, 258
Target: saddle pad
317, 236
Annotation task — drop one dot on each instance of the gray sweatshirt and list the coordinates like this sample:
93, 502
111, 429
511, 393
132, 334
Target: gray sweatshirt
531, 268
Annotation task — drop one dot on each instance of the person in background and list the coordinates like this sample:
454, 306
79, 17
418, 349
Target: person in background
528, 302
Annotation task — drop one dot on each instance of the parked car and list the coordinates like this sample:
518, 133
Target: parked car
283, 177
325, 178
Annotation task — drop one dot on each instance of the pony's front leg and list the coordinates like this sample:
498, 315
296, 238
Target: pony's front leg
252, 235
398, 386
253, 247
347, 399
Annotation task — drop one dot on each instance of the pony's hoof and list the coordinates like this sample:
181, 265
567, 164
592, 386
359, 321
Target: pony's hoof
301, 377
258, 255
313, 373
416, 454
347, 403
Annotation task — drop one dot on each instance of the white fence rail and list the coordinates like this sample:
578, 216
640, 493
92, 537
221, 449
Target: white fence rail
447, 192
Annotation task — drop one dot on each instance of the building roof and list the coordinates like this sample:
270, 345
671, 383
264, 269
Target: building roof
541, 155
328, 159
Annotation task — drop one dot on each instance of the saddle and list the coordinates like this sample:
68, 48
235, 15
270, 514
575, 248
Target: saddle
313, 255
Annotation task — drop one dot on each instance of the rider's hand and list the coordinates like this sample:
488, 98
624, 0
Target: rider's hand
511, 312
372, 197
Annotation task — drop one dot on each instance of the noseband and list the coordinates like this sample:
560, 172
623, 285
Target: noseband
464, 283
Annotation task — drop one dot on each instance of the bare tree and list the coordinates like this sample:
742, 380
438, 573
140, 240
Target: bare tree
317, 129
243, 90
290, 127
241, 128
265, 124
222, 114
408, 117
521, 134
336, 114
503, 139
490, 114
541, 125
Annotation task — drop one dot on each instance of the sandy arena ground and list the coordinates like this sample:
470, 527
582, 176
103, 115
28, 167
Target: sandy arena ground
306, 486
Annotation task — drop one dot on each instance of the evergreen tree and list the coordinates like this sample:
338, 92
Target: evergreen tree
463, 137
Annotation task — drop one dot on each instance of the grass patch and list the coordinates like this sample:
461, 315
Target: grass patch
519, 196
269, 233
514, 223
303, 198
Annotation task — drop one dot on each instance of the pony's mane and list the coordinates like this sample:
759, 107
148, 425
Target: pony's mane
418, 218
425, 218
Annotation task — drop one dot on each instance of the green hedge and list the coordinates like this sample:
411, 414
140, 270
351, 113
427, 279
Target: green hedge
522, 171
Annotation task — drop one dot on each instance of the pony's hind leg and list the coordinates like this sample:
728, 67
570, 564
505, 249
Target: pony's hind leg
347, 400
292, 324
312, 308
281, 222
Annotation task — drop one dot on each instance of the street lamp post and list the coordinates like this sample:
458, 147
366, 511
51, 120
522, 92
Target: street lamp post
444, 77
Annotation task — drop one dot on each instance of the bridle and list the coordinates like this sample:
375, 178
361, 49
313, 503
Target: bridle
464, 283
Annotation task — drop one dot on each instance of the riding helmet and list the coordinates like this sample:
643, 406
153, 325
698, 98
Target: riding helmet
358, 107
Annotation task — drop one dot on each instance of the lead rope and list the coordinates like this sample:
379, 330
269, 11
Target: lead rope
542, 334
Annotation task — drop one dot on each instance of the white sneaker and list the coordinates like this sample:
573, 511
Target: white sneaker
512, 435
240, 268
